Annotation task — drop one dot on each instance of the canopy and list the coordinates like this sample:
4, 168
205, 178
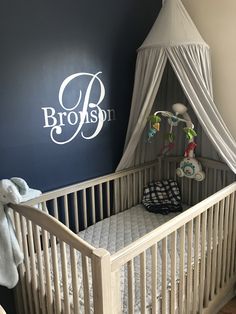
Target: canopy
175, 38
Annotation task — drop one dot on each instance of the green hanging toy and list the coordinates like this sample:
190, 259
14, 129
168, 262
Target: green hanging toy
190, 133
189, 167
154, 121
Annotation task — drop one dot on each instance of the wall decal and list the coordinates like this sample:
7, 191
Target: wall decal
86, 109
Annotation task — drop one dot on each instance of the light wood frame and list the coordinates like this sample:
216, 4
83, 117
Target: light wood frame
203, 287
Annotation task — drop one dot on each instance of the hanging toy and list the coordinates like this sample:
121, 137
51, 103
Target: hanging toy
189, 166
154, 126
189, 151
167, 148
190, 133
157, 126
151, 133
169, 139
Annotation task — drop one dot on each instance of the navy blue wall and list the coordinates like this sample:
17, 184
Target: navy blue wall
42, 43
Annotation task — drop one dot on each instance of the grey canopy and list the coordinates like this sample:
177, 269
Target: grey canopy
175, 38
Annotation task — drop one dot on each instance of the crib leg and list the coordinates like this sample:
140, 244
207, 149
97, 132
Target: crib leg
101, 269
115, 285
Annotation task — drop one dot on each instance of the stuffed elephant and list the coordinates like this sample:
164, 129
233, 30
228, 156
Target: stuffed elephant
11, 255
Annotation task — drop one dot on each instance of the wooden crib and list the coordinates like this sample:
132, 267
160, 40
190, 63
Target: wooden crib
198, 276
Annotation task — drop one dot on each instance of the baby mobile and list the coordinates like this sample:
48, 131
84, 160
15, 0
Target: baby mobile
189, 167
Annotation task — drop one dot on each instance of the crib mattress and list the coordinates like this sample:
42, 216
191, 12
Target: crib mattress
113, 234
118, 231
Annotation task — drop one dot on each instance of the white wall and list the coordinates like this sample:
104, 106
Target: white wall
216, 21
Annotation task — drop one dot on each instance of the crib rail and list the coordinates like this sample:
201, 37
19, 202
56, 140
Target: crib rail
55, 227
198, 259
85, 203
48, 239
52, 254
218, 175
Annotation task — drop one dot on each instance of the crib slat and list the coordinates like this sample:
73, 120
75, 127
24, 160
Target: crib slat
233, 238
40, 267
196, 265
56, 278
65, 203
168, 170
182, 186
190, 192
230, 233
145, 177
154, 278
215, 180
125, 194
143, 281
84, 208
121, 199
129, 196
224, 178
197, 192
134, 185
76, 211
160, 168
33, 266
108, 199
65, 277
225, 241
229, 255
22, 286
173, 271
206, 182
209, 248
164, 275
189, 266
86, 284
47, 272
181, 271
115, 291
55, 208
150, 178
214, 252
140, 185
101, 201
220, 245
118, 207
92, 191
203, 259
131, 286
27, 263
75, 283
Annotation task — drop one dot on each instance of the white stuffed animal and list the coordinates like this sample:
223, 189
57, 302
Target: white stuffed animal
11, 255
191, 168
9, 192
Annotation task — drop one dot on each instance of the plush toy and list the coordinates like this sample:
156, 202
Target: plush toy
9, 192
190, 168
154, 126
189, 151
21, 184
12, 257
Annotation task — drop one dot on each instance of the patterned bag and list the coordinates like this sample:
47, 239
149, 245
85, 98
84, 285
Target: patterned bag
162, 197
